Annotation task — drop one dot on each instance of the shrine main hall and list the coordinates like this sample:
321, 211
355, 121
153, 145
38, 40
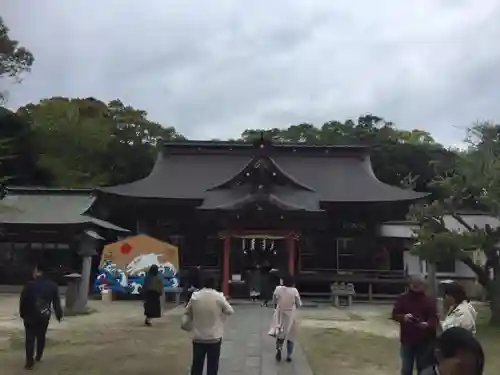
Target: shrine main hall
314, 212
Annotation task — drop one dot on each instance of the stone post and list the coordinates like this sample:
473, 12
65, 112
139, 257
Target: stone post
88, 245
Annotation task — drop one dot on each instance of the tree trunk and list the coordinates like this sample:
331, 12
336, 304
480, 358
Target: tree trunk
493, 289
432, 278
492, 286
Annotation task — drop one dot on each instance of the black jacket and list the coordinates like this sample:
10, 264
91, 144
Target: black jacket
37, 293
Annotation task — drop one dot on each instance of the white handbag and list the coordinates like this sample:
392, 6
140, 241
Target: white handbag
186, 322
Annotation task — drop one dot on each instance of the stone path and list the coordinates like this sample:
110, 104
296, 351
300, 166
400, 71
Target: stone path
248, 350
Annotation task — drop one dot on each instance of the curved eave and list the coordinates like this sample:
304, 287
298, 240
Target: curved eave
406, 196
249, 199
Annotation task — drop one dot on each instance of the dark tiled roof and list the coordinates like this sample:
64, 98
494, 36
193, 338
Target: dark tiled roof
188, 170
49, 206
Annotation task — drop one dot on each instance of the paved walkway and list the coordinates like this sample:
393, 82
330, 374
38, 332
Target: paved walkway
248, 350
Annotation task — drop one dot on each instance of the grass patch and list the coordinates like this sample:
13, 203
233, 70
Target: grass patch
349, 353
122, 347
356, 353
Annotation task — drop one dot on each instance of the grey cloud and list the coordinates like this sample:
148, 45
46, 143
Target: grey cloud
216, 67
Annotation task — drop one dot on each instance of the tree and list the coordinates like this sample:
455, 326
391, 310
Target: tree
132, 150
20, 160
88, 143
71, 137
14, 59
474, 184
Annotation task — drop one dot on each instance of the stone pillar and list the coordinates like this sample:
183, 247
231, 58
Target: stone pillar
88, 245
226, 265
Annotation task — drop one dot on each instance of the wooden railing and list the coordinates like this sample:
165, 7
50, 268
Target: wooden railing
365, 281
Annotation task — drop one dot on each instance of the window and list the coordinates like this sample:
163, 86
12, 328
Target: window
446, 266
345, 253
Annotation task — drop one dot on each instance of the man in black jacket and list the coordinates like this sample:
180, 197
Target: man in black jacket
38, 298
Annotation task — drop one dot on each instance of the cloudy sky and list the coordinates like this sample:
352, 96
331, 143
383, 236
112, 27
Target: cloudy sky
212, 68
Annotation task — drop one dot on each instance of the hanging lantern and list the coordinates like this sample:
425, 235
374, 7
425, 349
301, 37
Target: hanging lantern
125, 248
263, 244
252, 244
243, 243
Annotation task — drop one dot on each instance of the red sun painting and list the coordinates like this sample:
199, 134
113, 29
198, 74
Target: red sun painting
125, 248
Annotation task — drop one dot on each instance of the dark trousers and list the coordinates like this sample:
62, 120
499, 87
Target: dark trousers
289, 346
415, 355
35, 332
210, 351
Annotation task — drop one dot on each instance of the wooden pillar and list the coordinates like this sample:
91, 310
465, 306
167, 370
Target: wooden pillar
226, 265
290, 242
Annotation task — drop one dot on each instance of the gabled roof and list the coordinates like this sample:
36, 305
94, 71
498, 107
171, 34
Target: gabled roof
188, 170
49, 206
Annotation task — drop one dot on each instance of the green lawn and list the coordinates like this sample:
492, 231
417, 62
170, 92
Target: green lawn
334, 351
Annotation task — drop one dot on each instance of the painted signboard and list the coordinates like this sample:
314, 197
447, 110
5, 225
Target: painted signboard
124, 264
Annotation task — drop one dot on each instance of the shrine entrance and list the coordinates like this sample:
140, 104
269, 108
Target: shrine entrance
244, 251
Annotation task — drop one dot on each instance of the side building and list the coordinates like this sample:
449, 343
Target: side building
312, 211
49, 226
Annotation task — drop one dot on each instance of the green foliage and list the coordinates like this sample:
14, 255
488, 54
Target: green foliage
4, 154
474, 184
14, 59
87, 143
71, 136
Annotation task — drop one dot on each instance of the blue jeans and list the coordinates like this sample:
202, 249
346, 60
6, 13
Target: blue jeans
289, 346
418, 355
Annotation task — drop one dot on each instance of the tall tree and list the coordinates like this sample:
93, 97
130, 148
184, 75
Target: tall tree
71, 137
20, 159
474, 184
14, 59
87, 143
132, 150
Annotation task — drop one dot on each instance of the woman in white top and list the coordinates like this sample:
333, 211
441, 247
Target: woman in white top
286, 299
460, 313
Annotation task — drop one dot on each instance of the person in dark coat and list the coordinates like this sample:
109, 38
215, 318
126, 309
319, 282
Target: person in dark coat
38, 298
417, 316
267, 286
152, 291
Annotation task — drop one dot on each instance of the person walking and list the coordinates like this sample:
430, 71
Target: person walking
457, 352
286, 298
267, 287
206, 312
152, 291
255, 283
38, 297
460, 313
417, 316
193, 282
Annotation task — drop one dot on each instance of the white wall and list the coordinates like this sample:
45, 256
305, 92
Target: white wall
414, 265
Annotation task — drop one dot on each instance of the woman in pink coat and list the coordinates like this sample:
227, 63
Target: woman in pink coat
286, 298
